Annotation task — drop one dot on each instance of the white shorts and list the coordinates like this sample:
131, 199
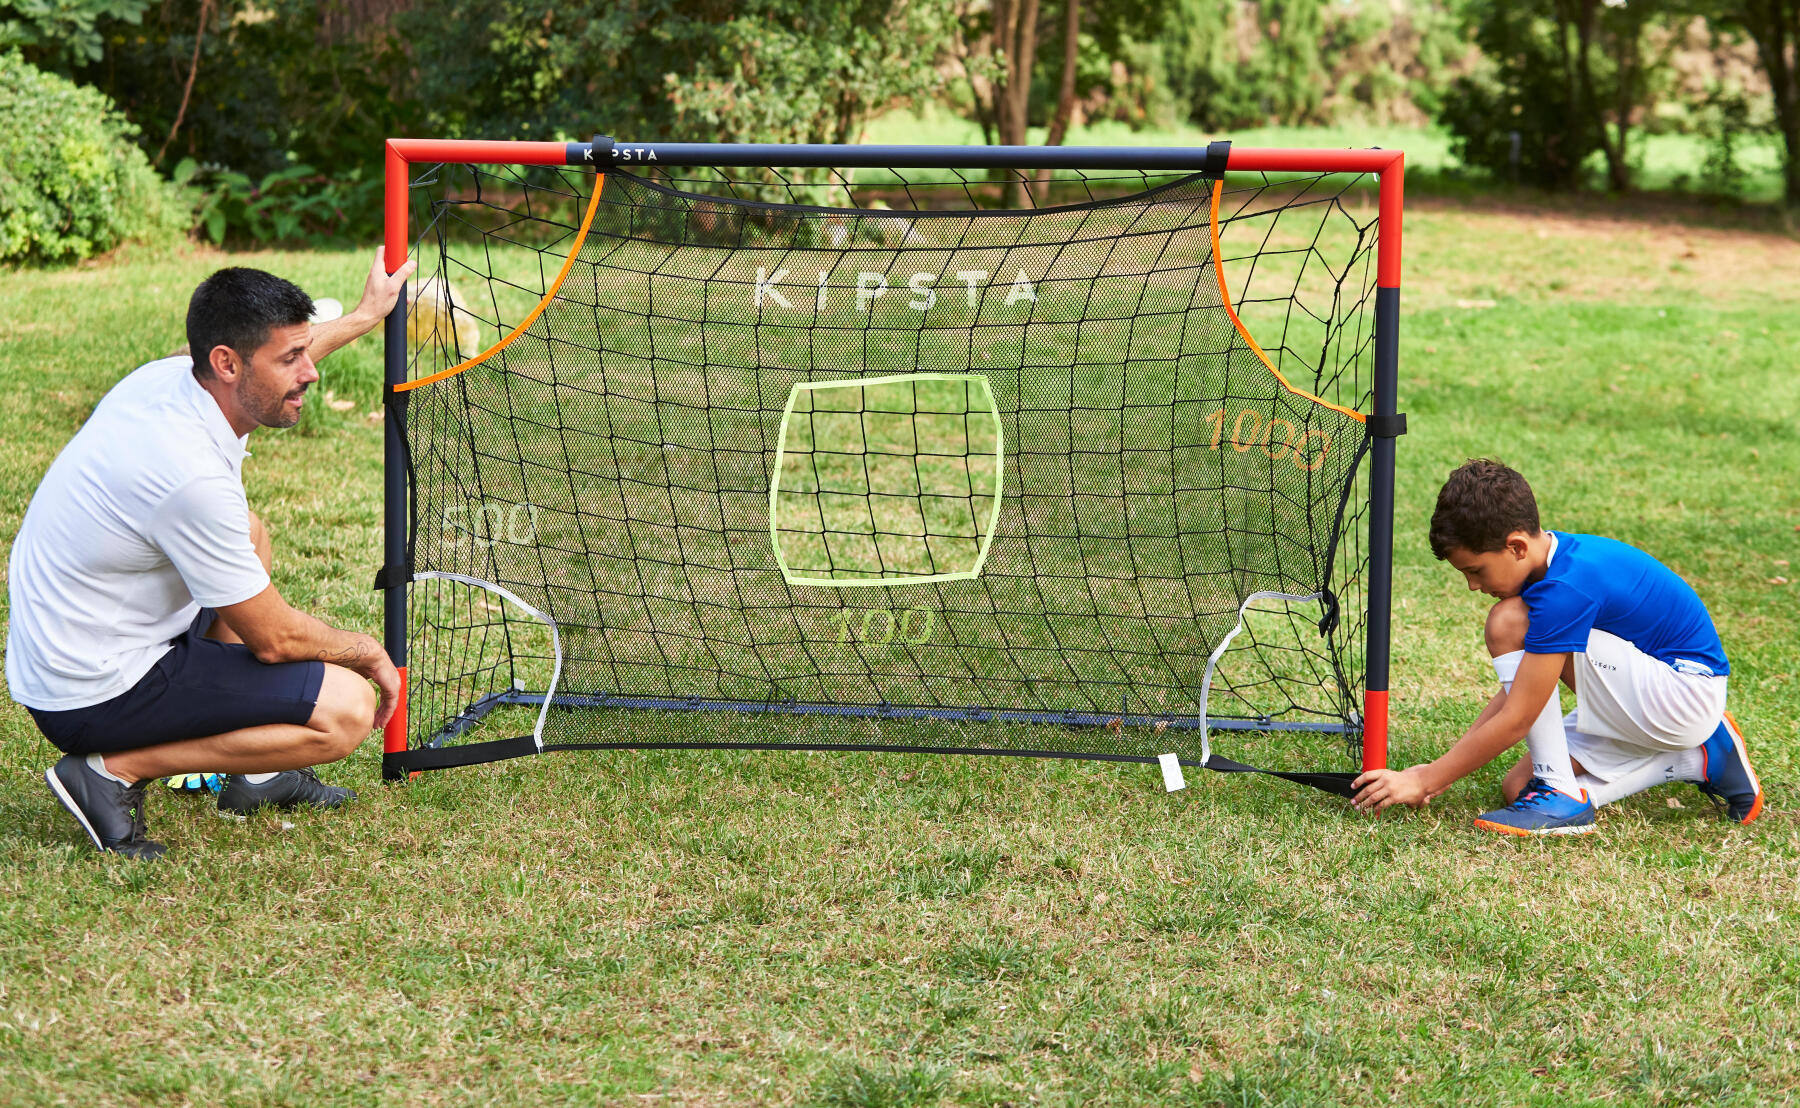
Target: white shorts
1630, 707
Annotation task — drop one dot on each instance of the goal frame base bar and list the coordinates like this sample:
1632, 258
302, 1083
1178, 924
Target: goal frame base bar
400, 765
403, 765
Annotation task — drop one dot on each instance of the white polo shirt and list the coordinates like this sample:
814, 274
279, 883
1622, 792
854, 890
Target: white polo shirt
140, 521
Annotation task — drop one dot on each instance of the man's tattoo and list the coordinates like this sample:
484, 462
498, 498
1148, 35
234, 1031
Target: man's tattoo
349, 656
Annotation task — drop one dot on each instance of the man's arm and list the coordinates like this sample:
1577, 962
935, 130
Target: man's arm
277, 632
1505, 720
380, 292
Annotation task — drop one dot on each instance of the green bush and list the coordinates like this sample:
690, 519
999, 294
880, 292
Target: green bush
293, 205
72, 181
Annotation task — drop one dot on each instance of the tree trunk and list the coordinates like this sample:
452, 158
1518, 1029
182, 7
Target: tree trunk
1562, 164
1628, 65
1065, 96
984, 105
1015, 34
1775, 25
1588, 106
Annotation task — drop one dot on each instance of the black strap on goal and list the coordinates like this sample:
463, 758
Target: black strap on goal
400, 763
1387, 426
1217, 155
1338, 783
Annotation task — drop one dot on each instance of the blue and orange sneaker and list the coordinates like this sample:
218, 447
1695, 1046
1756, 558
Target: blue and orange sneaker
1729, 778
1541, 810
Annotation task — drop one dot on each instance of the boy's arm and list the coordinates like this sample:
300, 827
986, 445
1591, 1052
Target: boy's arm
1501, 724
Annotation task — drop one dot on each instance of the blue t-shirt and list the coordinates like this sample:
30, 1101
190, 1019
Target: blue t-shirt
1597, 583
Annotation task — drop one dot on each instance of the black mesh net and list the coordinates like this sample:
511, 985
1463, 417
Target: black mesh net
923, 459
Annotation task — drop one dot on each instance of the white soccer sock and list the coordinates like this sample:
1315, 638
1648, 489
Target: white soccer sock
1685, 765
1548, 746
97, 763
258, 778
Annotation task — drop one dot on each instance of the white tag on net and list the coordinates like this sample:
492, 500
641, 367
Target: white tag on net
1173, 781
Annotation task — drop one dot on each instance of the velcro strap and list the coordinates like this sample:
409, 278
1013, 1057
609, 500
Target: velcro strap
1338, 783
1217, 155
1387, 426
399, 763
392, 576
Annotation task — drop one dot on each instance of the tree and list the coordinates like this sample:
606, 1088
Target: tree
757, 71
996, 45
1565, 78
62, 34
1774, 25
1609, 102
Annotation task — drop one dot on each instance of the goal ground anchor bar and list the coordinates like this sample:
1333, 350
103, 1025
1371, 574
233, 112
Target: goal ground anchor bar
471, 716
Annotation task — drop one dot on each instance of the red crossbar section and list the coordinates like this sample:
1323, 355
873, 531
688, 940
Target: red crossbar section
1387, 258
1390, 164
403, 152
1375, 729
393, 736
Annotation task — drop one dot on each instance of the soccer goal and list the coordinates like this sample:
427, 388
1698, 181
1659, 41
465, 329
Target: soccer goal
1077, 452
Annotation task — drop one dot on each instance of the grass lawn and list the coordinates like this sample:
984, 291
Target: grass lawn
867, 929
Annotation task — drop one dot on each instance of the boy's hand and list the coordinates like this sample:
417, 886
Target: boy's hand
1379, 789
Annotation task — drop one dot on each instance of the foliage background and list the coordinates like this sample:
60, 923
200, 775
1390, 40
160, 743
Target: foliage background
265, 107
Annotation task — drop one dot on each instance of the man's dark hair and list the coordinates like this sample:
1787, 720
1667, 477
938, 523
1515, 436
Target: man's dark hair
1482, 503
237, 307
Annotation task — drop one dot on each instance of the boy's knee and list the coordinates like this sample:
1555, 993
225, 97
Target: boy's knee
1507, 622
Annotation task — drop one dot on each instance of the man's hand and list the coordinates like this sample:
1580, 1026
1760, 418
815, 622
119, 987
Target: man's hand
380, 293
1380, 789
382, 289
387, 679
276, 632
363, 655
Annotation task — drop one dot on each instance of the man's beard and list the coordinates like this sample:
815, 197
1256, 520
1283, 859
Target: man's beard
269, 406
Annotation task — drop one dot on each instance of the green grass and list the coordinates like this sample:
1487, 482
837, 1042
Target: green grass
730, 928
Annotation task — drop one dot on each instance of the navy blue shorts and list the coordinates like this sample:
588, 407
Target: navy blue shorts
198, 688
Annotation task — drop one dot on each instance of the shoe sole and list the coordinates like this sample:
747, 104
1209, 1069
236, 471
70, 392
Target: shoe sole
63, 797
1743, 753
296, 806
1527, 833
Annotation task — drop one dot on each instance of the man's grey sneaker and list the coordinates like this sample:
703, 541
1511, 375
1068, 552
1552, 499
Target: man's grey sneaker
112, 814
292, 788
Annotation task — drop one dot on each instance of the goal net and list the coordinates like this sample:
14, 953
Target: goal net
1067, 459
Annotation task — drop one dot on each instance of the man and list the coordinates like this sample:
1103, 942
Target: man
146, 638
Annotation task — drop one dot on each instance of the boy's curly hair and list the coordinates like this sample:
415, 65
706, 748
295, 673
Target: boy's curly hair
1481, 503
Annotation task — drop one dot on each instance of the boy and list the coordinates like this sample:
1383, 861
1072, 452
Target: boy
1621, 629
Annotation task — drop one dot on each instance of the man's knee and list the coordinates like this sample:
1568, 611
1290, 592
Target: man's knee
344, 714
1507, 622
